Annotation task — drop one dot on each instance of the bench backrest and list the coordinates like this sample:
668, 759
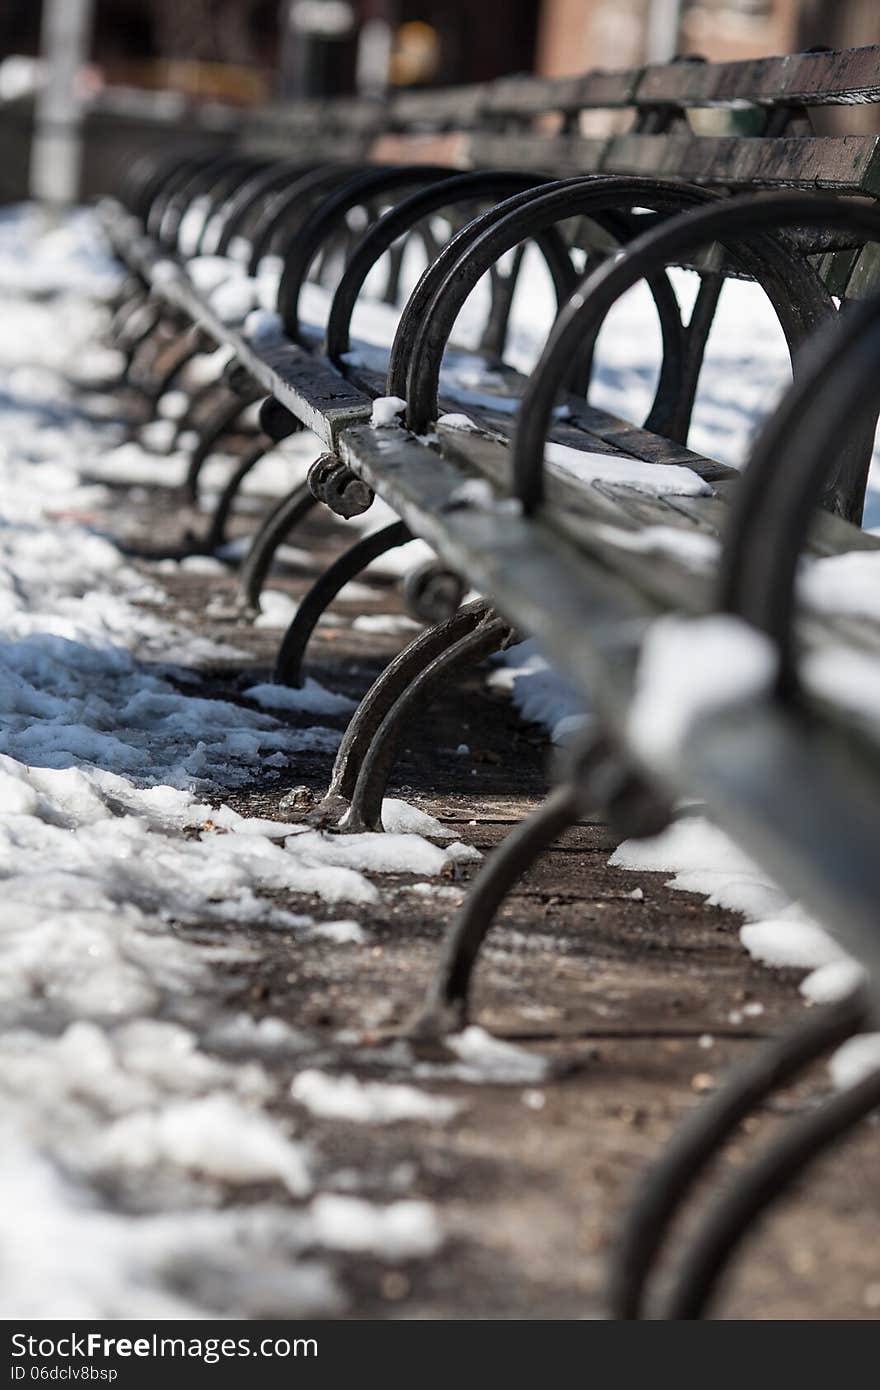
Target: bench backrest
729, 124
736, 126
342, 128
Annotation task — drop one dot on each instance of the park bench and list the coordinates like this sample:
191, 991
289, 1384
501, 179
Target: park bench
639, 565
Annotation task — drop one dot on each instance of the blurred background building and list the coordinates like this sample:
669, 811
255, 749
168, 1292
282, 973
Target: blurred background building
245, 51
575, 34
184, 59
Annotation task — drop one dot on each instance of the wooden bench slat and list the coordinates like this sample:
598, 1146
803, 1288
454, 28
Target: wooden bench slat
525, 566
640, 443
559, 154
556, 577
308, 386
843, 164
801, 804
586, 514
443, 107
339, 114
585, 427
843, 78
846, 164
529, 96
847, 77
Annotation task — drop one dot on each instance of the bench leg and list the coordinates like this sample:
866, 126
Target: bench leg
596, 776
218, 423
400, 672
274, 530
444, 1009
140, 371
391, 291
673, 404
128, 289
215, 536
288, 667
770, 1176
700, 1140
169, 363
125, 309
199, 397
146, 345
503, 287
365, 813
135, 335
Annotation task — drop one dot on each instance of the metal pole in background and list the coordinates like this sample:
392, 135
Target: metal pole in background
56, 151
316, 35
661, 37
373, 63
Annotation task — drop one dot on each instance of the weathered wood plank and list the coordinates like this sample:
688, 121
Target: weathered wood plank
845, 77
537, 578
445, 108
564, 578
302, 117
546, 154
583, 427
626, 438
308, 386
803, 804
845, 164
340, 129
526, 97
596, 519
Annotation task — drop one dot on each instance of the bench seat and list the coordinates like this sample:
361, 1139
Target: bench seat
578, 546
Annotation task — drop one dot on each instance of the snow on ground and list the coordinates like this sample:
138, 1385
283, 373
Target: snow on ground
368, 1102
113, 834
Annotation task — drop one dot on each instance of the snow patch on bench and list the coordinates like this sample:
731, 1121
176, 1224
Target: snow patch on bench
653, 479
387, 411
690, 667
